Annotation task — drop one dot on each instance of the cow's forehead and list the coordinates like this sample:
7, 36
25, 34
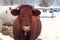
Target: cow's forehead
26, 6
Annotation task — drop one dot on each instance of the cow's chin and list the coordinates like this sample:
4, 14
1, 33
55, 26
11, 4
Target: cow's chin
26, 28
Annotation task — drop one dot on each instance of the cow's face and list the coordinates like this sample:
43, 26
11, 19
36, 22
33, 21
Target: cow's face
25, 13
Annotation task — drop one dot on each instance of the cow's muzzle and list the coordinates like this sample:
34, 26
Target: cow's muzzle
26, 28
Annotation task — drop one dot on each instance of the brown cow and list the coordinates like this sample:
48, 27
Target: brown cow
27, 25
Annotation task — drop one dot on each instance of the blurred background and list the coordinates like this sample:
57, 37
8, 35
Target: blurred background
43, 3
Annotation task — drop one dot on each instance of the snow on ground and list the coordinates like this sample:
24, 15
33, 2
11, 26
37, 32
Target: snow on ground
5, 37
50, 28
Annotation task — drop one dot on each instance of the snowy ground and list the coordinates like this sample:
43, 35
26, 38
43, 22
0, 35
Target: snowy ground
51, 28
5, 37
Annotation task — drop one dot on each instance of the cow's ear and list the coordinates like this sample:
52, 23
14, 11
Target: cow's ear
15, 12
36, 12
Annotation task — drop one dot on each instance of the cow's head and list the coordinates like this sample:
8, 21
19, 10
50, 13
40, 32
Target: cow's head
25, 13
